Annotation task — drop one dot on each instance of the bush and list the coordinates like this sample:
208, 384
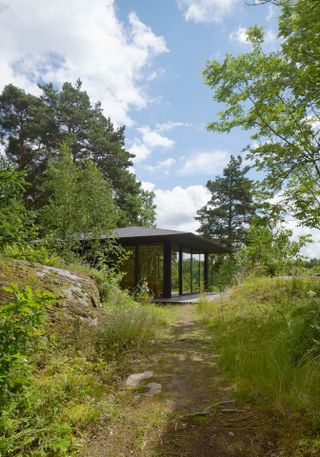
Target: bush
20, 319
31, 253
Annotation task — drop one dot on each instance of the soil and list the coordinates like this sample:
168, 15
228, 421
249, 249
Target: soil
186, 365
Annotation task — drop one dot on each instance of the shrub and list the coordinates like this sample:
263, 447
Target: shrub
33, 254
20, 319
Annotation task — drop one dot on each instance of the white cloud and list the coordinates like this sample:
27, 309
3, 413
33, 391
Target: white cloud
140, 150
206, 10
312, 249
150, 139
205, 163
153, 139
270, 13
177, 207
170, 125
146, 185
239, 35
161, 166
61, 41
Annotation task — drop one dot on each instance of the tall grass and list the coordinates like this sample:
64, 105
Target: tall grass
268, 334
129, 327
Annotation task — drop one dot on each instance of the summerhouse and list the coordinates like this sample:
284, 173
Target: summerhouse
172, 263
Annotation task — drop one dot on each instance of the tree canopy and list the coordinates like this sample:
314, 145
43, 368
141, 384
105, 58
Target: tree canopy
80, 199
16, 223
275, 96
33, 128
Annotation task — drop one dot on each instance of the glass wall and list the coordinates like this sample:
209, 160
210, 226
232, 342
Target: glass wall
186, 273
128, 268
197, 272
151, 267
175, 270
192, 272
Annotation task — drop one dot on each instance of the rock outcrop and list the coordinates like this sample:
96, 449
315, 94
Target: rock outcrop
77, 294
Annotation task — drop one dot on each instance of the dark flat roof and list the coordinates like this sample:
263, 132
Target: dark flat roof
132, 236
141, 235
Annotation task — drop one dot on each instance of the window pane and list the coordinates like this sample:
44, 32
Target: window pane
128, 268
186, 272
175, 270
196, 272
151, 267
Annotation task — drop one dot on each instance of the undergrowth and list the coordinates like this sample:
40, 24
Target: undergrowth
268, 335
58, 383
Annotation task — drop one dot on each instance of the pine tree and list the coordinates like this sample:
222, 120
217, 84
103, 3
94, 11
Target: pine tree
33, 128
231, 206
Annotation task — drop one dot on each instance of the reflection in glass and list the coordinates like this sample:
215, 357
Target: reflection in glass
151, 267
186, 272
195, 266
175, 270
128, 268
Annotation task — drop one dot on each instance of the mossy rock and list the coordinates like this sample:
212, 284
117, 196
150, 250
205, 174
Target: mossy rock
77, 294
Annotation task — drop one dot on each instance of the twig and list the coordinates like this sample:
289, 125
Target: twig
206, 411
219, 403
240, 418
231, 410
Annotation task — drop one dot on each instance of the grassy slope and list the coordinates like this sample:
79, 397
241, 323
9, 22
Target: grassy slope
268, 334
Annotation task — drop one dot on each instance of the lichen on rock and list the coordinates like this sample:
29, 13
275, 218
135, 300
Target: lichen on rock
77, 294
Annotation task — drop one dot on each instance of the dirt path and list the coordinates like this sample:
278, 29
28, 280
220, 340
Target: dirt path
184, 363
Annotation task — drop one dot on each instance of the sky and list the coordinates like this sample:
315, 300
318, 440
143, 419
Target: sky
143, 60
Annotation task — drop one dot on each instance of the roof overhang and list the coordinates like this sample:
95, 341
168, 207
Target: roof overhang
133, 236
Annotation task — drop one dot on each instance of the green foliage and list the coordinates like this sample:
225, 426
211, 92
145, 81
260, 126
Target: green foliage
20, 319
270, 250
80, 203
31, 253
127, 325
15, 220
55, 391
222, 272
230, 207
47, 417
275, 97
33, 128
268, 336
142, 293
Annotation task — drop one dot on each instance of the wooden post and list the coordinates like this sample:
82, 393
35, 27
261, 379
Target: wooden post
180, 272
191, 273
167, 269
206, 272
136, 266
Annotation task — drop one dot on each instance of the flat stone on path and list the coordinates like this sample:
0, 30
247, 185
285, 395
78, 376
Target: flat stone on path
134, 379
155, 389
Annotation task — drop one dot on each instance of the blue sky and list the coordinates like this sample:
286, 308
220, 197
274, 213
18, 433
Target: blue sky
179, 93
143, 60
